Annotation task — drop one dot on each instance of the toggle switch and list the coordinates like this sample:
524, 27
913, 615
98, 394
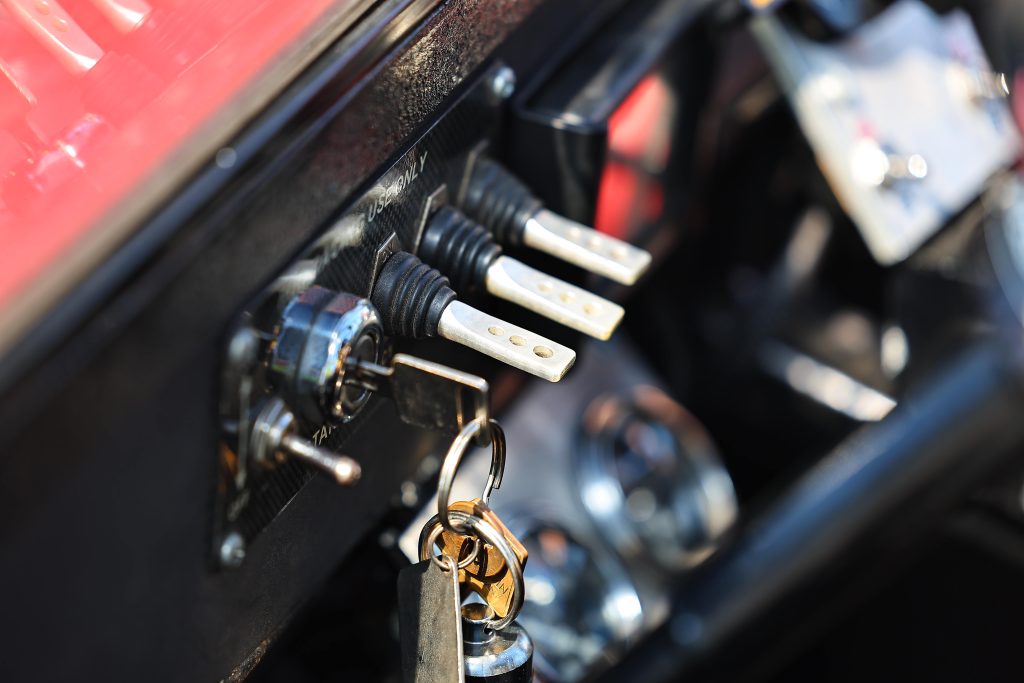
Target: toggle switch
414, 300
978, 85
505, 206
275, 438
469, 255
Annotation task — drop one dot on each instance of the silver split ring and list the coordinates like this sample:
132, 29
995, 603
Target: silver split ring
435, 533
453, 458
480, 528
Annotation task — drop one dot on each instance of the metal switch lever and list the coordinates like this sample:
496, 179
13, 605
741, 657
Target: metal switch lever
504, 205
414, 300
467, 253
274, 438
585, 247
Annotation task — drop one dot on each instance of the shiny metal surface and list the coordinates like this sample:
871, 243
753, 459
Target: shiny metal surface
506, 342
487, 573
319, 332
583, 604
425, 394
453, 458
652, 479
552, 298
502, 83
343, 469
840, 518
980, 85
274, 438
892, 113
435, 536
231, 553
585, 247
825, 384
488, 534
490, 655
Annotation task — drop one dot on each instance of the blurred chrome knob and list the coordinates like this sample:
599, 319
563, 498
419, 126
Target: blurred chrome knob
581, 606
652, 480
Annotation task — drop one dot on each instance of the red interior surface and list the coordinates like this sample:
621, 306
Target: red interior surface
95, 94
630, 194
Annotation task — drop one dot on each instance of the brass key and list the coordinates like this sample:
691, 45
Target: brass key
487, 575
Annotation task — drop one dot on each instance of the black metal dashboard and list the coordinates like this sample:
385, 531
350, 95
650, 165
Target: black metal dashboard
115, 477
131, 366
115, 504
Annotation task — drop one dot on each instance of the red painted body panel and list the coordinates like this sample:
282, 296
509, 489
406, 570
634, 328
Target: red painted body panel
95, 95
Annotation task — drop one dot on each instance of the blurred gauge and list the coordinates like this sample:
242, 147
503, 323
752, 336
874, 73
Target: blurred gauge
651, 478
581, 607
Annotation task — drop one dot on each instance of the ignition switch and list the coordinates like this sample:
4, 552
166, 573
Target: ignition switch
325, 361
320, 332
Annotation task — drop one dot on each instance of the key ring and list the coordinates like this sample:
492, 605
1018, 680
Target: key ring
489, 535
432, 539
453, 458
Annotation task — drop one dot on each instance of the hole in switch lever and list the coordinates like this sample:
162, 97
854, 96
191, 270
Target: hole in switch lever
469, 255
414, 300
585, 247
